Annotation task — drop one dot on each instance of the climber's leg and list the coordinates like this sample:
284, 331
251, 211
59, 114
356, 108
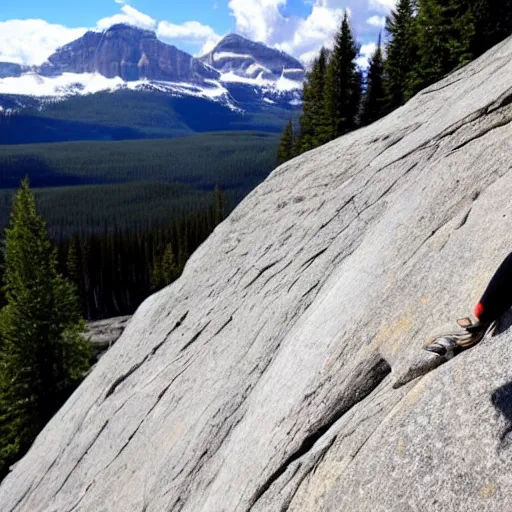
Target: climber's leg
496, 300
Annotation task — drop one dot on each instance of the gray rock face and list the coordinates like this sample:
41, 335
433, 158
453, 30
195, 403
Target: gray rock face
9, 69
264, 378
128, 52
249, 59
102, 334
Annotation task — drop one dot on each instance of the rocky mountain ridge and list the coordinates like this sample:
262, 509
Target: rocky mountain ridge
264, 378
129, 53
128, 58
245, 58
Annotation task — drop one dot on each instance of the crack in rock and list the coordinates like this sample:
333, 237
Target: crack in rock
196, 336
111, 390
373, 378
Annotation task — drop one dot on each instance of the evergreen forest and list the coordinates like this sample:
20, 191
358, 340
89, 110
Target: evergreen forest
424, 40
126, 215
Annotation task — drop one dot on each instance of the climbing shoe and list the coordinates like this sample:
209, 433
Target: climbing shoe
450, 340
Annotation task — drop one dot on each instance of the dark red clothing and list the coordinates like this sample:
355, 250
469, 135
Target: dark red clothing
497, 298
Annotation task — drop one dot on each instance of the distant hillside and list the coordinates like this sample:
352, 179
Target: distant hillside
134, 183
128, 115
126, 84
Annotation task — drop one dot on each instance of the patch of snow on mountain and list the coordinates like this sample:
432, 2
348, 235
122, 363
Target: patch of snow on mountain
32, 84
212, 90
282, 85
230, 55
286, 84
70, 84
256, 67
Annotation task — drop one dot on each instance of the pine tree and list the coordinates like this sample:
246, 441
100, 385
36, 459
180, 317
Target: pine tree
374, 101
165, 269
401, 53
313, 99
218, 205
169, 267
445, 32
156, 274
342, 85
43, 357
492, 23
285, 151
72, 264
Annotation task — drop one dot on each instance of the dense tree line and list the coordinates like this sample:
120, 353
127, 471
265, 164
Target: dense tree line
232, 159
116, 270
42, 354
425, 40
47, 291
134, 185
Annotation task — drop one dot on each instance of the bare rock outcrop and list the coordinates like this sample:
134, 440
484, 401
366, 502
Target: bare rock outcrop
128, 52
263, 379
248, 59
9, 69
102, 334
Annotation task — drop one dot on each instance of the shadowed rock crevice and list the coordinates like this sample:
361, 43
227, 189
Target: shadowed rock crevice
223, 326
102, 429
196, 336
127, 442
483, 133
266, 268
111, 390
136, 366
501, 398
420, 369
372, 379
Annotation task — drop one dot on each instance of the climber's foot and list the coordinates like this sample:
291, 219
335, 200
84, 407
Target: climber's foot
451, 340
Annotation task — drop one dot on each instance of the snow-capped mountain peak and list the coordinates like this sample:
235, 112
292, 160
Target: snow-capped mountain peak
129, 53
126, 57
248, 59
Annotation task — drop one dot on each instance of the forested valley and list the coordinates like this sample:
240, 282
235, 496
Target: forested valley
126, 215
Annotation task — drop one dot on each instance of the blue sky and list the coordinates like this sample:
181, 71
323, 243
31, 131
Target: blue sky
30, 30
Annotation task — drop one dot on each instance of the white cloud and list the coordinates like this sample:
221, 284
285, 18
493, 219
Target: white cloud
367, 50
32, 41
377, 21
262, 20
258, 19
128, 15
190, 32
382, 5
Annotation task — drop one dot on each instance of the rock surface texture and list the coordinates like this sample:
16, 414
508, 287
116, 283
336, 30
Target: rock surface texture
129, 53
243, 57
8, 69
264, 378
102, 334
